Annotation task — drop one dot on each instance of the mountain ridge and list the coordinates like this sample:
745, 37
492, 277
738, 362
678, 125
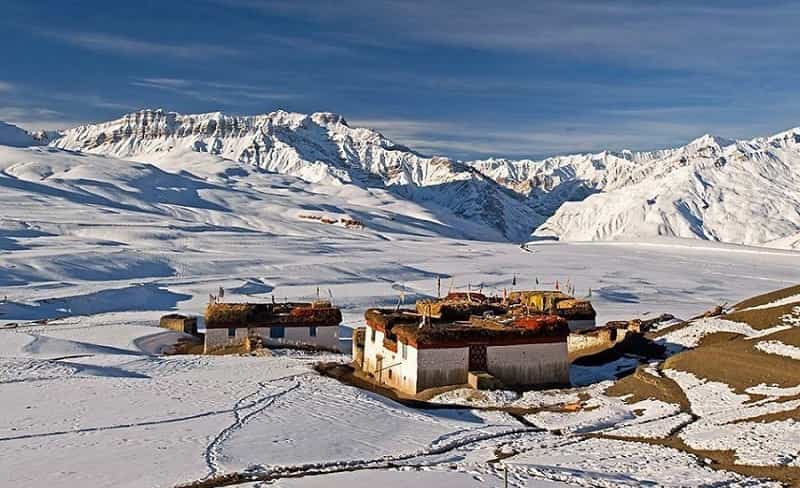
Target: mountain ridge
320, 148
708, 183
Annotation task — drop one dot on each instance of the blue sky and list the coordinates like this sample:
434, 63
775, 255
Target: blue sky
459, 78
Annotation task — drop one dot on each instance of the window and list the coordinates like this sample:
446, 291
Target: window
390, 373
372, 335
312, 331
404, 350
231, 332
276, 332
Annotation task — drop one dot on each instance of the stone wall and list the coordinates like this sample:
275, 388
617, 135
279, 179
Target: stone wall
217, 338
596, 340
589, 340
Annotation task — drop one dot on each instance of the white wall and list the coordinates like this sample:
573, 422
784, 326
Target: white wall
372, 349
403, 371
327, 337
442, 367
529, 364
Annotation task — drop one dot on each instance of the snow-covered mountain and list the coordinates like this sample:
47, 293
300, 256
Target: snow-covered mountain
743, 192
11, 135
319, 148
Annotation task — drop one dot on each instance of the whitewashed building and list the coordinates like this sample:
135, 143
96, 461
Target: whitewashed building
293, 324
400, 353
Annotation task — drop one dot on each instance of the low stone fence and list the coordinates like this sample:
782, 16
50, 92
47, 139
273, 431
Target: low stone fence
590, 341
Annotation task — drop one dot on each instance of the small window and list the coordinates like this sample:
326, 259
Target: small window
312, 331
390, 374
276, 332
231, 332
404, 350
372, 335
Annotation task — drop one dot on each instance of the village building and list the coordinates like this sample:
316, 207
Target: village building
179, 323
411, 352
313, 324
580, 314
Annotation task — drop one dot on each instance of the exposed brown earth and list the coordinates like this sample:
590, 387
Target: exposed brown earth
731, 359
642, 386
768, 297
762, 318
725, 460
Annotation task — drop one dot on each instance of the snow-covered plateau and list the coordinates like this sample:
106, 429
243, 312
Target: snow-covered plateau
112, 225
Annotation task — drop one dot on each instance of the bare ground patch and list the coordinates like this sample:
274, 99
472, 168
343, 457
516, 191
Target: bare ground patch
768, 297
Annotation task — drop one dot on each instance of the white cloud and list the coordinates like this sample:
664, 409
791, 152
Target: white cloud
167, 82
37, 118
636, 131
211, 91
684, 35
307, 45
6, 87
97, 41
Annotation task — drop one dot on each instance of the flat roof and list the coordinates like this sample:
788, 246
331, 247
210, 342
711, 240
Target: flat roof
405, 326
246, 315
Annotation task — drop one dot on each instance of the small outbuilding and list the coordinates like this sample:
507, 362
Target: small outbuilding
179, 323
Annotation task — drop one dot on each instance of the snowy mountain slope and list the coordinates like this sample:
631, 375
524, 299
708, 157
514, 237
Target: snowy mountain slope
319, 148
788, 242
550, 182
185, 190
11, 135
745, 192
742, 192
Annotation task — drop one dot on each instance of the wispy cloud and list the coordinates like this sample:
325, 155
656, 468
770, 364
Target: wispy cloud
6, 87
87, 100
98, 41
661, 35
307, 45
166, 82
625, 130
37, 118
212, 91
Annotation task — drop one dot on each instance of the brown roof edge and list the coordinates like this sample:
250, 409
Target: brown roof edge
254, 325
495, 342
462, 335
